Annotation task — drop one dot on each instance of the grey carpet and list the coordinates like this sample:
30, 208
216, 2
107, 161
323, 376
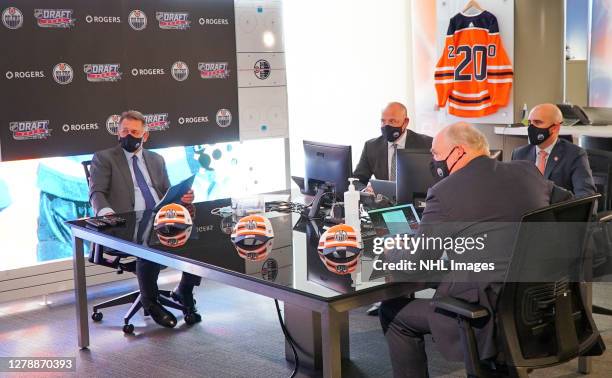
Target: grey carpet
239, 337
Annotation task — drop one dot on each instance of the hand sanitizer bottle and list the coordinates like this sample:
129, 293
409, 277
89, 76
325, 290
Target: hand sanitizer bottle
351, 208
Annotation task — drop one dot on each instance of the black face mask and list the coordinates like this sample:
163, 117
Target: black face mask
441, 168
130, 143
538, 135
391, 133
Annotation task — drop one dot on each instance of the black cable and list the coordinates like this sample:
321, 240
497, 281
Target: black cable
289, 339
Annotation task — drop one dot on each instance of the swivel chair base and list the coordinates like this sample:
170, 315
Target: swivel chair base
134, 298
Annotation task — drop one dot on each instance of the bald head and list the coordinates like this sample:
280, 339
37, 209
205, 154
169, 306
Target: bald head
458, 144
547, 116
394, 114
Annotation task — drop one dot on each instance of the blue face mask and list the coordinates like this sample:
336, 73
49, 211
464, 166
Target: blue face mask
130, 143
391, 133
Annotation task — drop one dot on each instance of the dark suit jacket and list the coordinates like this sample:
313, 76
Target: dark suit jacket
486, 197
567, 166
375, 155
111, 183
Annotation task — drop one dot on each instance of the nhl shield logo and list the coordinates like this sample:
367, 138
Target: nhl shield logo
63, 73
224, 118
12, 18
112, 124
137, 20
262, 69
180, 71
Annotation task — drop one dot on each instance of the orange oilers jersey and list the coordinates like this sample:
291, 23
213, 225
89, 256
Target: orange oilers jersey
474, 74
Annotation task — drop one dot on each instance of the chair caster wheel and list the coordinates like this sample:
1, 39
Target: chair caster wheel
193, 318
128, 328
96, 316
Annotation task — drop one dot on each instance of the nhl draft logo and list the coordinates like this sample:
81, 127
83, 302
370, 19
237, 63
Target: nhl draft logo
112, 124
54, 18
12, 18
157, 121
173, 20
25, 130
251, 225
63, 73
179, 71
262, 69
224, 118
171, 214
213, 70
137, 20
97, 73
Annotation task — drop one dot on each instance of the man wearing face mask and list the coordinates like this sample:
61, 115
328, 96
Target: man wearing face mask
490, 197
128, 178
378, 155
560, 161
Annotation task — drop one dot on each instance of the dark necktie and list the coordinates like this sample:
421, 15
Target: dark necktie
393, 163
142, 184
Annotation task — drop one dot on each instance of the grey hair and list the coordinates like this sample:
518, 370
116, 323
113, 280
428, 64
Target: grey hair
134, 115
462, 133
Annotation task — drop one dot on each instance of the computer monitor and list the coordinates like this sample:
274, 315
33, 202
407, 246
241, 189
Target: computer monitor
326, 163
414, 176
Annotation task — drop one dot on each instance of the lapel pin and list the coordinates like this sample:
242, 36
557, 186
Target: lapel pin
556, 158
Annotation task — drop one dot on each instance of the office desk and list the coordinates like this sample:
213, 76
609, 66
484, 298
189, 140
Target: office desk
316, 301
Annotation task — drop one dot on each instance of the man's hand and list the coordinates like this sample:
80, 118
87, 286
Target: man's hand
368, 189
188, 197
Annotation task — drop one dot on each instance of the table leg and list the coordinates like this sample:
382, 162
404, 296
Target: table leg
585, 363
80, 292
335, 338
304, 326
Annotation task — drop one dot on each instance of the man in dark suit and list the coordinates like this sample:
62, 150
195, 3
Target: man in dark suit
560, 161
128, 178
378, 155
477, 196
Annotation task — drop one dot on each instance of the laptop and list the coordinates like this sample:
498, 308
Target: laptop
386, 188
395, 220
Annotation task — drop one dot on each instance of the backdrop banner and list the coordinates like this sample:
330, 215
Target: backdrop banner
67, 74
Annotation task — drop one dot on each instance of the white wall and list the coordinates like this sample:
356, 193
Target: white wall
345, 61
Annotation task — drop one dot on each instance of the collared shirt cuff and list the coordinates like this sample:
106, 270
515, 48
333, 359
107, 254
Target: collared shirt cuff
105, 211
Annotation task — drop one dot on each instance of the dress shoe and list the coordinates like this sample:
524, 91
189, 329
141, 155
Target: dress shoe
186, 299
373, 311
161, 316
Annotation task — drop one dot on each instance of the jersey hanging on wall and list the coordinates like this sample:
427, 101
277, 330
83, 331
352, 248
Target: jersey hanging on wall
474, 74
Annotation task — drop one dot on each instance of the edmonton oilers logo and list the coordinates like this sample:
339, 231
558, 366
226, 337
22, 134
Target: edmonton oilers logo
269, 270
179, 71
224, 118
12, 18
63, 73
262, 69
251, 225
340, 236
137, 20
112, 124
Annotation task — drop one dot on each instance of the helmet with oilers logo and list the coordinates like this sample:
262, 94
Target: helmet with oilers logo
252, 237
339, 249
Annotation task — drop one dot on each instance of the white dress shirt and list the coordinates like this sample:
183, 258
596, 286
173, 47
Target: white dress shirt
401, 143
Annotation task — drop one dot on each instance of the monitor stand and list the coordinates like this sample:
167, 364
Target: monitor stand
317, 202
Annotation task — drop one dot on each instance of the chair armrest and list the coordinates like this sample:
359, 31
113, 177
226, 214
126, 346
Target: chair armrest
604, 216
460, 308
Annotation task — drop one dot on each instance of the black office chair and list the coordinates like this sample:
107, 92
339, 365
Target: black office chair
117, 260
542, 319
596, 143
